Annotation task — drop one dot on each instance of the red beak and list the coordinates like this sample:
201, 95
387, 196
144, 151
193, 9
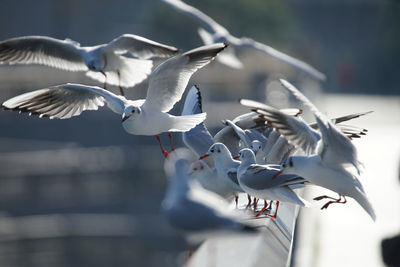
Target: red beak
236, 157
125, 118
204, 156
277, 174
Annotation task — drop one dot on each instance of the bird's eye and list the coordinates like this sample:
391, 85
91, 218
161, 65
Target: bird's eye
283, 165
218, 151
290, 162
133, 111
212, 150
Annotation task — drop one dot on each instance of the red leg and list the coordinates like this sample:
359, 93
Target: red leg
263, 209
339, 200
276, 211
255, 202
165, 153
105, 79
248, 201
119, 84
170, 140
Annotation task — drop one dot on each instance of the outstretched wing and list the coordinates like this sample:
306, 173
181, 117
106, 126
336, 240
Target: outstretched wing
65, 101
301, 65
44, 51
208, 23
140, 47
296, 131
336, 148
198, 139
169, 80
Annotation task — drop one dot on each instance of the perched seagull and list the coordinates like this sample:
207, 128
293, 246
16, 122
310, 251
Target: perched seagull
226, 166
101, 62
327, 158
140, 117
196, 212
257, 180
214, 32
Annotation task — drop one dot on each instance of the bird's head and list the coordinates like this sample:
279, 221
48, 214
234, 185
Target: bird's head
130, 112
217, 150
256, 146
247, 155
94, 65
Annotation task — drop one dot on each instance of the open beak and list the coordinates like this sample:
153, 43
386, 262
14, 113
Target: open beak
236, 157
277, 174
204, 156
124, 118
255, 152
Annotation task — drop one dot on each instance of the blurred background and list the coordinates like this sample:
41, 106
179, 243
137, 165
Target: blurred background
83, 192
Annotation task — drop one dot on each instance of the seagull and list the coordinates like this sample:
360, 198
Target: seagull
257, 180
101, 62
139, 117
327, 159
214, 32
226, 166
196, 212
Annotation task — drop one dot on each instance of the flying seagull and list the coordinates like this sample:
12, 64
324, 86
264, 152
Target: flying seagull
105, 62
214, 32
140, 117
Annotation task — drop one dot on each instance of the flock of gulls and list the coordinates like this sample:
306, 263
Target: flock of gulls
267, 153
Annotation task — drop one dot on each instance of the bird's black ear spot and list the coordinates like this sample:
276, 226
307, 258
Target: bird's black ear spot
290, 162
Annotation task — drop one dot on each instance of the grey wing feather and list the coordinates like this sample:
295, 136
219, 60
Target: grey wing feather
44, 51
140, 47
64, 101
169, 80
261, 177
293, 129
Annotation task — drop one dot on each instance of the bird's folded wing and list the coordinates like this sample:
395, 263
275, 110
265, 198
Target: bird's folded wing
140, 47
261, 177
64, 101
169, 80
44, 51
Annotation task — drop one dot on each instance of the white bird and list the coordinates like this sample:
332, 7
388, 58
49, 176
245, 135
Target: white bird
140, 117
101, 62
327, 158
216, 33
226, 166
196, 212
257, 180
